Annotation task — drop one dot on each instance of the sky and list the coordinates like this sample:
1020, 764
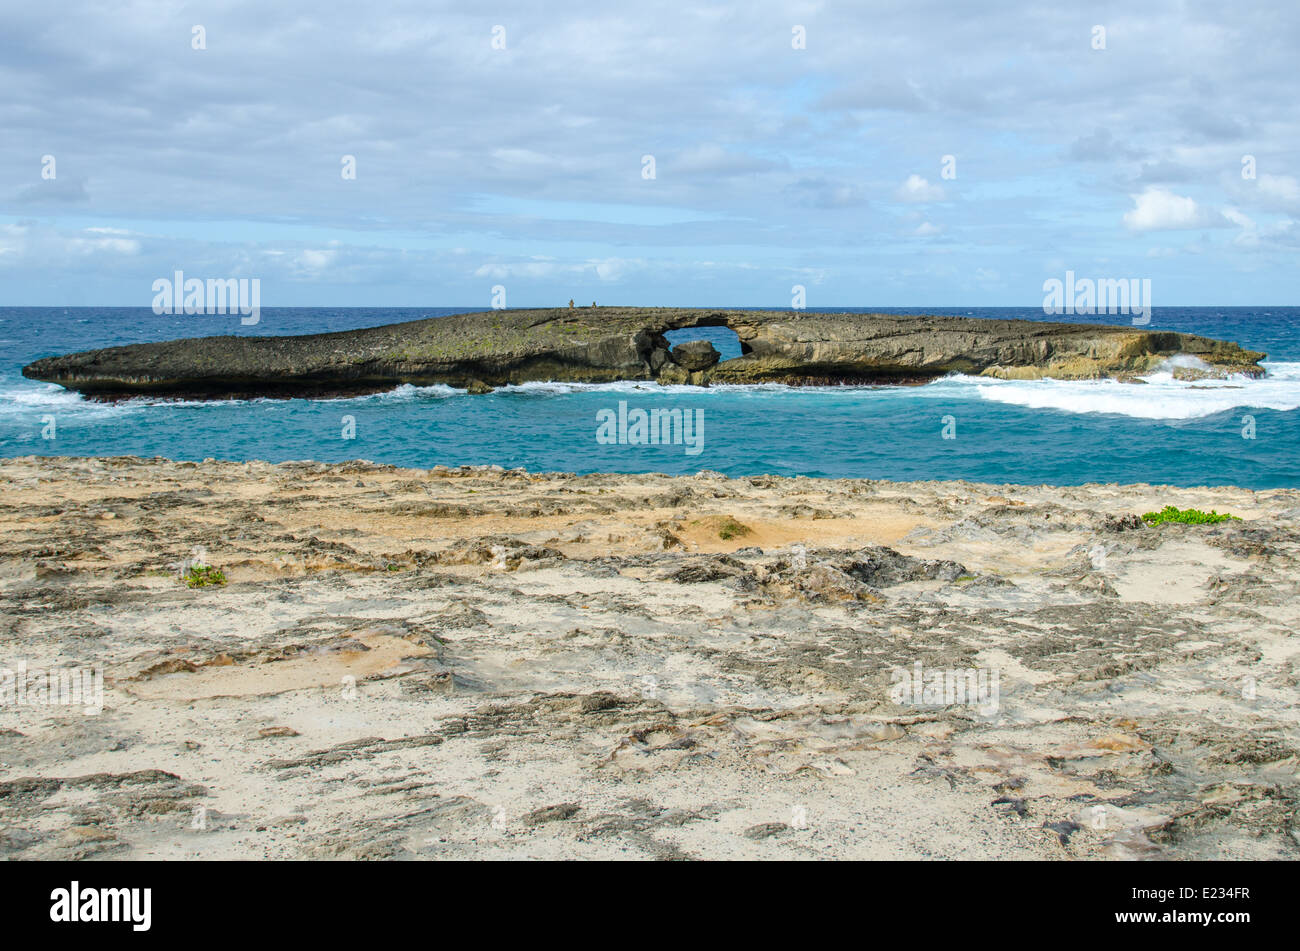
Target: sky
883, 153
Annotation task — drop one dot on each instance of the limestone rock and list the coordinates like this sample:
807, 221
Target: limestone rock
499, 347
695, 355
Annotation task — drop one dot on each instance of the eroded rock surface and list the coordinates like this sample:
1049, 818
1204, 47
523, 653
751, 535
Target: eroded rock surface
487, 663
596, 345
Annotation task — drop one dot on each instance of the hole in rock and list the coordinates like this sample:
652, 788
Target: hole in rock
724, 339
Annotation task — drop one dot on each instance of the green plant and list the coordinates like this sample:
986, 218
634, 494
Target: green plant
200, 576
1186, 516
729, 528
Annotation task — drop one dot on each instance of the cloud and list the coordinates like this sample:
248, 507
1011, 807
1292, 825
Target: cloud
1213, 125
1158, 209
312, 262
917, 189
1279, 191
1248, 236
891, 94
55, 191
820, 192
528, 160
32, 244
1101, 146
615, 269
1164, 172
715, 160
538, 267
114, 245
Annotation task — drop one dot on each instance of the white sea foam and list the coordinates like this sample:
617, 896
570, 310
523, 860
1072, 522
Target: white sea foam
37, 395
407, 393
29, 398
1161, 397
650, 386
35, 398
620, 386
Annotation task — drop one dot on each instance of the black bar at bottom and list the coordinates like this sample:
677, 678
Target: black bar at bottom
335, 901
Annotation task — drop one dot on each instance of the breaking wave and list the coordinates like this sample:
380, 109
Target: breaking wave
1160, 397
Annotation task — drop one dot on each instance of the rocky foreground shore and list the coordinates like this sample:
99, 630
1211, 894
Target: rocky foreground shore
476, 663
603, 344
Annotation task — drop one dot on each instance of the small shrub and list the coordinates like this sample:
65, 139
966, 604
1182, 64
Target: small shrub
200, 576
729, 528
1186, 516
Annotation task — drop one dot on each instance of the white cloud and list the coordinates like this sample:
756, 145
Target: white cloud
27, 245
114, 245
708, 160
917, 189
313, 260
764, 154
1249, 234
1159, 209
1279, 191
536, 267
1238, 219
613, 269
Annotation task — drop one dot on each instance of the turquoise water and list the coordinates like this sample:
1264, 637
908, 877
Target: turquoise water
1020, 432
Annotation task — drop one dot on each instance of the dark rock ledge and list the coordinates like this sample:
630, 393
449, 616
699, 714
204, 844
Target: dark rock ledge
595, 345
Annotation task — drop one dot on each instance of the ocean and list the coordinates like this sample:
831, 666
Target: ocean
1236, 432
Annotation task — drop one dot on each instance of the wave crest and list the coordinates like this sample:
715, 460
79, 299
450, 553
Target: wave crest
1160, 397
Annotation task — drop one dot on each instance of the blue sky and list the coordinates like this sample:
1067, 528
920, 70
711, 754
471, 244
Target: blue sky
773, 166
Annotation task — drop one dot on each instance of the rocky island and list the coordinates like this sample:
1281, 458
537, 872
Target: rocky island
602, 344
